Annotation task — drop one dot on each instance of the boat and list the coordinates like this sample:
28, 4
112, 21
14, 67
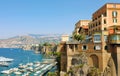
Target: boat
4, 64
5, 59
6, 72
18, 73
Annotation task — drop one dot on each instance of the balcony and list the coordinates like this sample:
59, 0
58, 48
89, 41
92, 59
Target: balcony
97, 38
114, 39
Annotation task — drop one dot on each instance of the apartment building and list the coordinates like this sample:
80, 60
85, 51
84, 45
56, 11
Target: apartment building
100, 49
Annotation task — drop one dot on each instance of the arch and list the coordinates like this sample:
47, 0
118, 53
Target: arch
94, 61
110, 69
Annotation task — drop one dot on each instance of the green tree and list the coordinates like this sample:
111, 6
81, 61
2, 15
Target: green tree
78, 37
46, 44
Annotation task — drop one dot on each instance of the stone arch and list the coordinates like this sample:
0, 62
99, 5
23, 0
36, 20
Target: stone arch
107, 72
110, 69
94, 61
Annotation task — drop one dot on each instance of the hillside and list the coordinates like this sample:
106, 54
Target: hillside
18, 41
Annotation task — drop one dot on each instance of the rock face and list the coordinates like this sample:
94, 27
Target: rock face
28, 40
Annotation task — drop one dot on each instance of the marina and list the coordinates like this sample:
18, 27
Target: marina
25, 63
30, 69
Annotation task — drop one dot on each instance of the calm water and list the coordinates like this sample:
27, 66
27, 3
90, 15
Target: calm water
19, 56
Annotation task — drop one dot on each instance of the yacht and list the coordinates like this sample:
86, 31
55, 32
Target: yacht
4, 64
5, 59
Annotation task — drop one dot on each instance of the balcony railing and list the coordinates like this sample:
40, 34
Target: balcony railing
114, 39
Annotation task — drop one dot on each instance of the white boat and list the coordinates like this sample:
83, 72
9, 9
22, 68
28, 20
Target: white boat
4, 64
6, 72
22, 66
5, 59
17, 73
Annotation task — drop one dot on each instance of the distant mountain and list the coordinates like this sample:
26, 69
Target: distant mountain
18, 41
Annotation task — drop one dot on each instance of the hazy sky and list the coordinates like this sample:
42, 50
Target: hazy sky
19, 17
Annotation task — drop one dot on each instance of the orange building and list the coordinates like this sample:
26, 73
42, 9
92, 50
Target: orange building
101, 49
106, 16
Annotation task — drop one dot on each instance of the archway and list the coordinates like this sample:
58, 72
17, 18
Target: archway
110, 68
94, 61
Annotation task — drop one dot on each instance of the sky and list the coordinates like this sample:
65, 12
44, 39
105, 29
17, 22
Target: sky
22, 17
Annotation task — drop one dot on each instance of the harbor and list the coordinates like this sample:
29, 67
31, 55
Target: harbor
30, 69
24, 63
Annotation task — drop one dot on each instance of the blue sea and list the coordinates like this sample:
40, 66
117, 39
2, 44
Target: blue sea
19, 56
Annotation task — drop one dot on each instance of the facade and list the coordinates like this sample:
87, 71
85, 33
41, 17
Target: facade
100, 49
103, 18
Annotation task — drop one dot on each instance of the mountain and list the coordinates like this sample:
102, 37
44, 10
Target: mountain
19, 41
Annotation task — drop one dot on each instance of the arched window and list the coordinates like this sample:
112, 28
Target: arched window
94, 61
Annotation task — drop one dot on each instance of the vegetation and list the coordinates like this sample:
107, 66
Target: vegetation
57, 55
47, 44
78, 37
52, 74
94, 72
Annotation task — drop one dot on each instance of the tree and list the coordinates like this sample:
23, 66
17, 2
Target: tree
78, 37
46, 44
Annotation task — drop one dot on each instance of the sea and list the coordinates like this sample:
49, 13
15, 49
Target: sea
19, 56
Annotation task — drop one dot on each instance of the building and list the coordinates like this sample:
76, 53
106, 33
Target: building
100, 49
79, 24
105, 17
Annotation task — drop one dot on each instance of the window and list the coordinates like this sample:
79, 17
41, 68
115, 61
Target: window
114, 13
97, 38
76, 47
105, 28
97, 47
106, 47
96, 24
84, 47
99, 23
105, 38
104, 21
114, 20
